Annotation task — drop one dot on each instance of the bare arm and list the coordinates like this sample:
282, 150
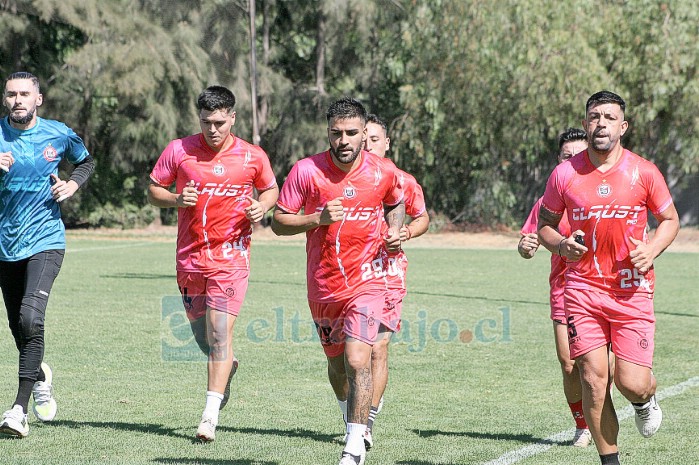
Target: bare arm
288, 224
668, 227
528, 245
161, 197
257, 208
395, 216
554, 241
416, 228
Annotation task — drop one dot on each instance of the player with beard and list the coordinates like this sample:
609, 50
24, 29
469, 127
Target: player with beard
32, 234
338, 198
606, 192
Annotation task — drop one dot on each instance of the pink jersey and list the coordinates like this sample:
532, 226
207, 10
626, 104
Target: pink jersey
610, 208
214, 234
414, 207
558, 264
346, 257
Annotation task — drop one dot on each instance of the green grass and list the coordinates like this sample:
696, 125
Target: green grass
122, 401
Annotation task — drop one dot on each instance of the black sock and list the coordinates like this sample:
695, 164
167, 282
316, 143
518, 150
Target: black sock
372, 417
24, 392
41, 376
610, 459
639, 404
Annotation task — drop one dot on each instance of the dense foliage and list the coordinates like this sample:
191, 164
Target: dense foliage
474, 92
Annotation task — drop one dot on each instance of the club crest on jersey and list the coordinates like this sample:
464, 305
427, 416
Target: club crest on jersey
50, 153
349, 193
604, 190
219, 169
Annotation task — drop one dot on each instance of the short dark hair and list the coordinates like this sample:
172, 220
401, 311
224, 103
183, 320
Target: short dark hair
346, 108
25, 75
571, 134
374, 118
605, 97
216, 98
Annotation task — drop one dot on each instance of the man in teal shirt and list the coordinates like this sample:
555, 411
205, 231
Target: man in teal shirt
32, 235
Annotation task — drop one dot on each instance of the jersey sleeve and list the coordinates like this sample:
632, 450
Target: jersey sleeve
414, 200
265, 176
394, 194
530, 225
294, 191
659, 198
553, 196
75, 148
165, 170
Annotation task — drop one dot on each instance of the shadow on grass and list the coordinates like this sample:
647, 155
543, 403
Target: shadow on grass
289, 433
212, 461
149, 428
677, 314
421, 462
473, 297
525, 438
138, 276
286, 283
161, 430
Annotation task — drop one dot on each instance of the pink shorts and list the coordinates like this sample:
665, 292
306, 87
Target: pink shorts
558, 311
390, 317
222, 290
358, 317
596, 319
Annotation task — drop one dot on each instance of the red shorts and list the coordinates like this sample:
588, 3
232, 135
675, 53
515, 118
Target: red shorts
357, 317
390, 317
222, 290
596, 319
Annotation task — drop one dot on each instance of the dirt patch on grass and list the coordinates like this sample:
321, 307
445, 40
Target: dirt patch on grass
686, 241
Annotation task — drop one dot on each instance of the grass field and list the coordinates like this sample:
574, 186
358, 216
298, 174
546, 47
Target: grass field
473, 374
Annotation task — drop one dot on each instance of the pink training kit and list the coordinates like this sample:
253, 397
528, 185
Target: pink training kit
558, 264
611, 208
344, 258
215, 233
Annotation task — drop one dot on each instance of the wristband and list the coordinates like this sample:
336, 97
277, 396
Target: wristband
559, 246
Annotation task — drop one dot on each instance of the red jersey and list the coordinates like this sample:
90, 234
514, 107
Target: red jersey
414, 207
558, 264
610, 208
215, 233
346, 257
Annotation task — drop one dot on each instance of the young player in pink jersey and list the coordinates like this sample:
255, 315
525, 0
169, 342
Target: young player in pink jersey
338, 198
215, 174
378, 143
606, 192
570, 142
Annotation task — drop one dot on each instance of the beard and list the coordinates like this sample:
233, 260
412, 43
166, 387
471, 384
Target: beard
22, 120
346, 159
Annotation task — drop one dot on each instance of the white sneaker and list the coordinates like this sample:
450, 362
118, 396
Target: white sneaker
349, 459
582, 438
648, 418
368, 439
207, 429
44, 406
15, 423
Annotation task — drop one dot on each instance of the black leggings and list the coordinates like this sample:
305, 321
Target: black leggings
26, 285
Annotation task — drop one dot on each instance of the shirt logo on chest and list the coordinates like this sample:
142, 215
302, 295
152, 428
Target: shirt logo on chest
349, 192
604, 190
219, 169
50, 153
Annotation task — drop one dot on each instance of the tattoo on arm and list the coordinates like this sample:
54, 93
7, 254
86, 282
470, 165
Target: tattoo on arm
548, 218
395, 215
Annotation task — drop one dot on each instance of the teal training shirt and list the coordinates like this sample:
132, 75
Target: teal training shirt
30, 219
